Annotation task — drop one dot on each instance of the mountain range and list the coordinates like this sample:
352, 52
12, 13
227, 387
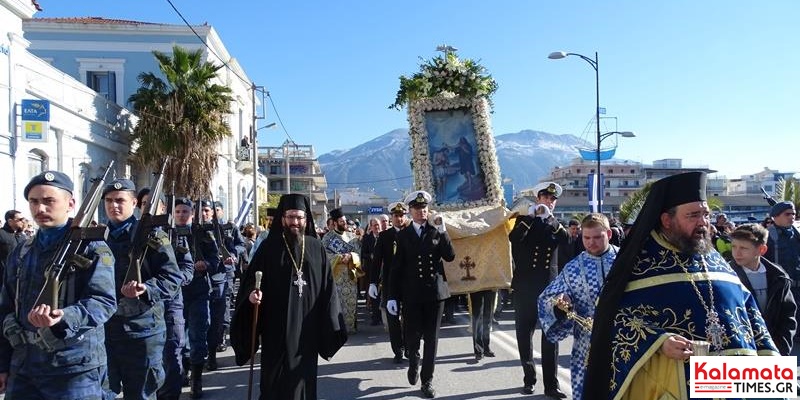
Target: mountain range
383, 164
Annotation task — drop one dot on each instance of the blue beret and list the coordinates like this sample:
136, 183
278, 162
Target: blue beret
51, 178
183, 201
218, 204
779, 208
119, 184
205, 203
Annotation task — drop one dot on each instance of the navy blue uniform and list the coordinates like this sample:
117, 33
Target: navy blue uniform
136, 334
67, 360
196, 294
176, 324
222, 294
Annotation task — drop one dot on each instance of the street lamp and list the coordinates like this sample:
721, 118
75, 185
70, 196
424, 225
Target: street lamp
557, 55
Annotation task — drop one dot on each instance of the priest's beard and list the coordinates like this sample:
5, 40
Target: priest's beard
293, 233
698, 243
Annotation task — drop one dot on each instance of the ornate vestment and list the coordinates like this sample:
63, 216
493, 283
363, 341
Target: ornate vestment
345, 274
581, 279
660, 300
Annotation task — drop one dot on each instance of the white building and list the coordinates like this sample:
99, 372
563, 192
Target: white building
82, 133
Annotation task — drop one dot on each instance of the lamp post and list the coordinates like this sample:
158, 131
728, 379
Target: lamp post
557, 55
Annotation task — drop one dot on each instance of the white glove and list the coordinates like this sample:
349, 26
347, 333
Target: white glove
373, 291
438, 223
391, 307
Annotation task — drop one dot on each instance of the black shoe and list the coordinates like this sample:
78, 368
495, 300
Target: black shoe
427, 390
555, 393
478, 356
489, 354
222, 347
413, 374
398, 359
527, 389
211, 364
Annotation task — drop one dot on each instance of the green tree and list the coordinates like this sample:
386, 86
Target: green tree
182, 117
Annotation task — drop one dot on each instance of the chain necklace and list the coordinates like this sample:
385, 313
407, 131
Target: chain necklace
714, 329
298, 269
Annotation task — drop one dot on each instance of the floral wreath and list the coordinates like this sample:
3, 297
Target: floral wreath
446, 83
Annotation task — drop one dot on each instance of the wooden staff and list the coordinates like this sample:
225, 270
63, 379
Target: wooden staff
253, 338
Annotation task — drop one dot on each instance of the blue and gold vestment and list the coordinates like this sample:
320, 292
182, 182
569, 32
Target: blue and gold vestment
660, 301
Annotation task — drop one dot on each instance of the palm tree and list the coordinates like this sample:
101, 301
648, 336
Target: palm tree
182, 117
629, 209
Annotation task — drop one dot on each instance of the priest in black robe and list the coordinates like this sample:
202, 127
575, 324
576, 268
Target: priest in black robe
299, 316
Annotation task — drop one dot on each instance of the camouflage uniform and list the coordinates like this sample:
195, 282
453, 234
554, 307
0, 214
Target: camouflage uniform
136, 334
67, 360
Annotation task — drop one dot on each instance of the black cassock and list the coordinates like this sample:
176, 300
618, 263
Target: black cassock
294, 330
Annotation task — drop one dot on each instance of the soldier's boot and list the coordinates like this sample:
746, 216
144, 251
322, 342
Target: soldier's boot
211, 365
185, 375
223, 345
197, 381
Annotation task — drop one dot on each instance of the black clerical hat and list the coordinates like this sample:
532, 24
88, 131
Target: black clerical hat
680, 189
336, 213
50, 178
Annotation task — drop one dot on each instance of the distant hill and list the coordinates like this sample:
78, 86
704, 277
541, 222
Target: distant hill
384, 163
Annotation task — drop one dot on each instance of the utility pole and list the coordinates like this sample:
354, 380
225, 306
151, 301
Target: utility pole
254, 143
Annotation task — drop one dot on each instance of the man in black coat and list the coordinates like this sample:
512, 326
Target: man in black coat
379, 276
767, 281
11, 234
418, 281
534, 240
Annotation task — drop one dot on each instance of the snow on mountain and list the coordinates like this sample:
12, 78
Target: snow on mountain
383, 164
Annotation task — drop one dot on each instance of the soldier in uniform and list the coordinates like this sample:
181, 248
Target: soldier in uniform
173, 313
136, 334
534, 240
418, 281
200, 243
46, 353
221, 302
380, 275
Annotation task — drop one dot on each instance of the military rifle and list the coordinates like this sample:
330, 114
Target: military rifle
80, 233
771, 203
148, 221
218, 237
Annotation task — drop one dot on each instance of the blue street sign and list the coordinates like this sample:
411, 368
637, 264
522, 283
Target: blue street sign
35, 110
376, 210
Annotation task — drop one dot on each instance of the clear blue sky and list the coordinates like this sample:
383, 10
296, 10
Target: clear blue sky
715, 83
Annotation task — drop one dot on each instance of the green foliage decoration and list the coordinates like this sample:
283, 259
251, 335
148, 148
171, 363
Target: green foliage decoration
446, 74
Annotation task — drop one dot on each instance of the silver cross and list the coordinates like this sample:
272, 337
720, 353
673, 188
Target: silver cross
299, 282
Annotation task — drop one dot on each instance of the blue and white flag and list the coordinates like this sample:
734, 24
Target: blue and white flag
244, 209
595, 192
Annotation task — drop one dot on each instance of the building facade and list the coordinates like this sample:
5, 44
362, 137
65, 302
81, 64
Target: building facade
108, 55
294, 168
51, 121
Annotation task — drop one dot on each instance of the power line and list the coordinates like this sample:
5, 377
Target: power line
225, 63
278, 116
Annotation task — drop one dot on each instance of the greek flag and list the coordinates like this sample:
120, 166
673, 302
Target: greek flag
595, 192
244, 209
